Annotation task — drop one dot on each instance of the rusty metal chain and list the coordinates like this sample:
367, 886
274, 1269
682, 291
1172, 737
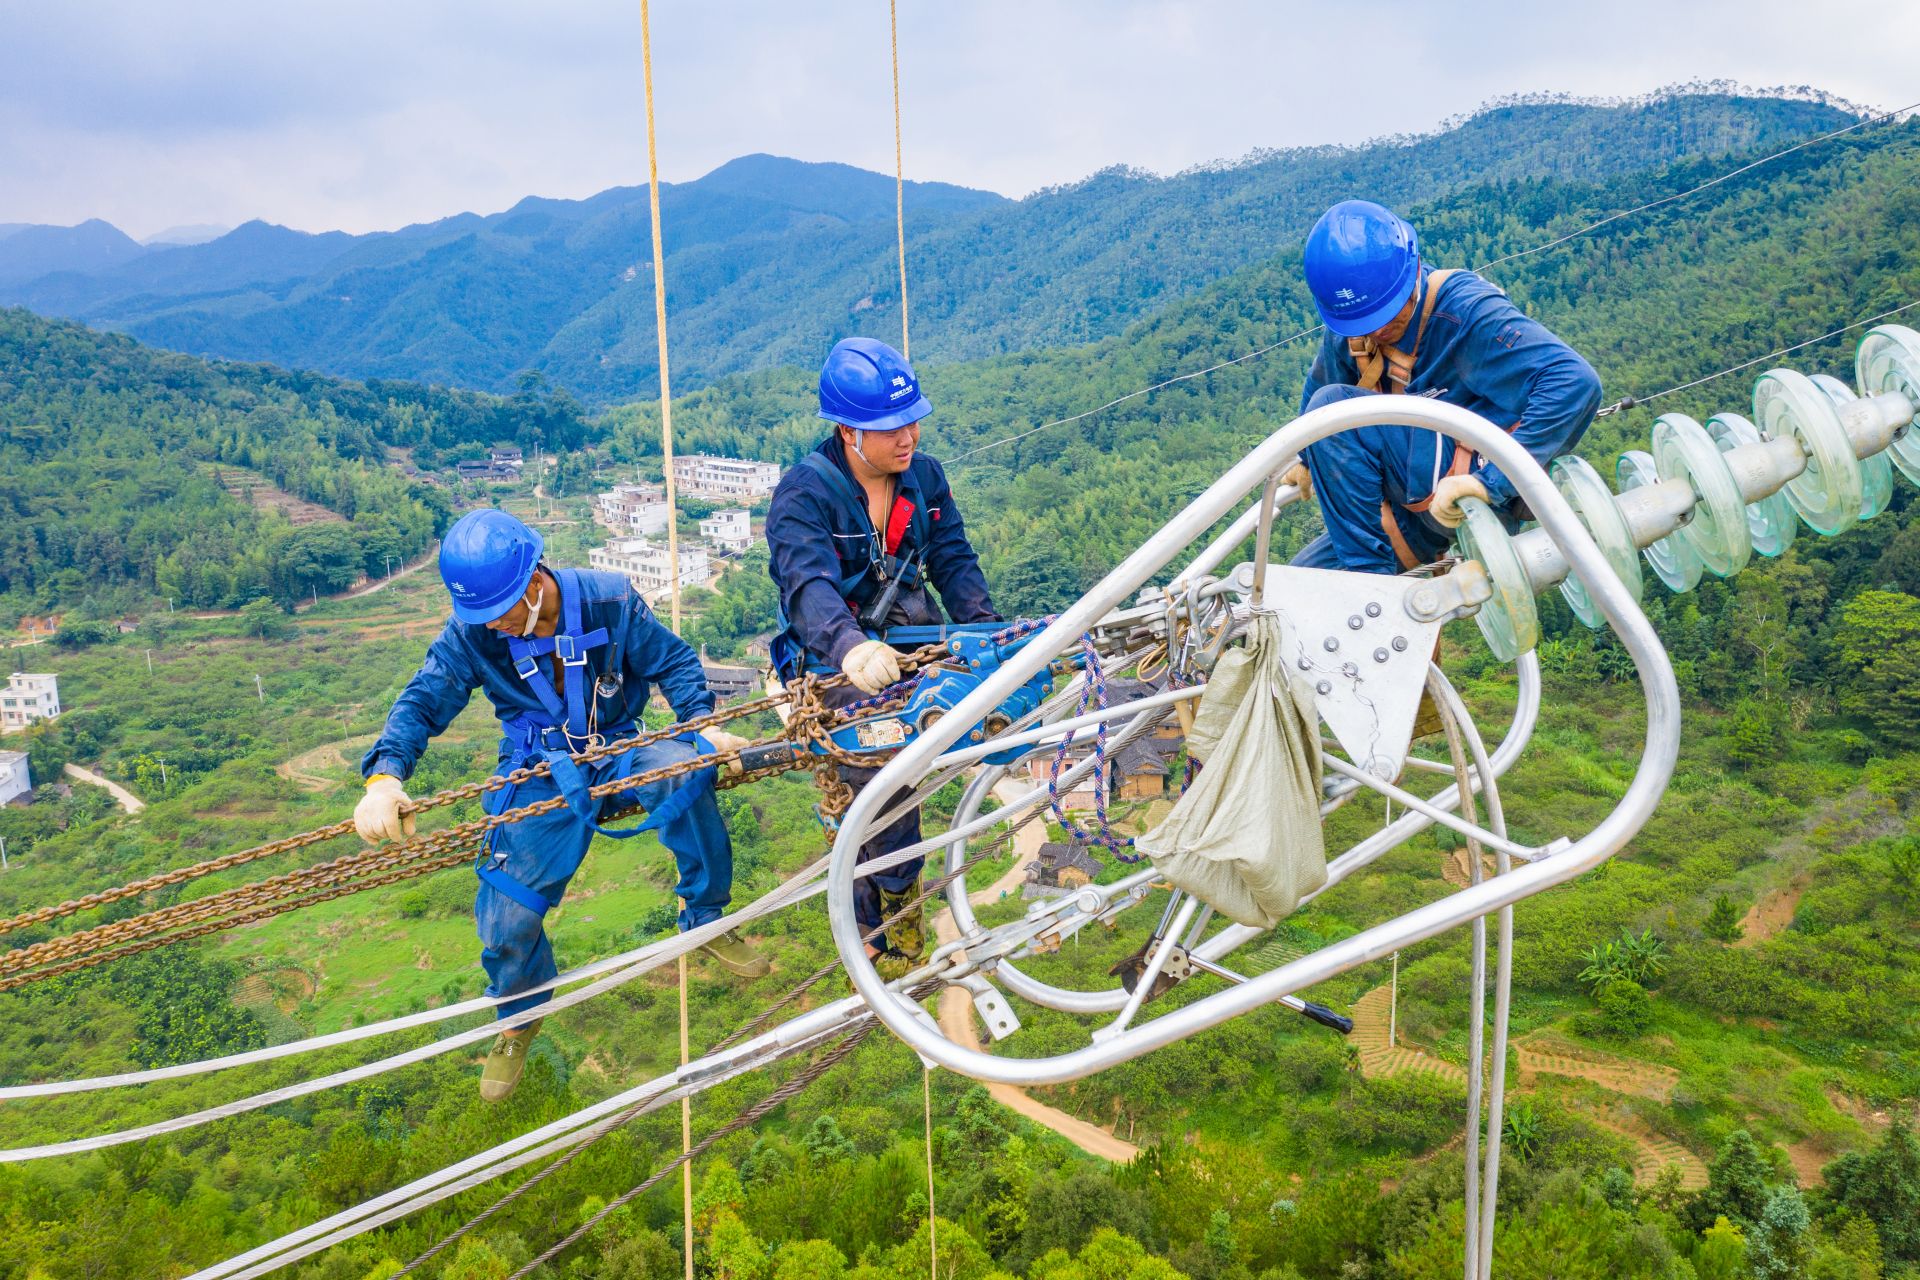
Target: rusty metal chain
413, 857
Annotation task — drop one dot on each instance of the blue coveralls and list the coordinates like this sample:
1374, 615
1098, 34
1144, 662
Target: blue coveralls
1478, 352
620, 653
828, 562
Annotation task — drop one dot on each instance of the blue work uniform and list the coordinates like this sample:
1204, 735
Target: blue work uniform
829, 563
610, 653
1477, 351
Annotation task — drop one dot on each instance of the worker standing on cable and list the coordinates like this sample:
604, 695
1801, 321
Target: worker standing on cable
857, 533
1391, 494
568, 658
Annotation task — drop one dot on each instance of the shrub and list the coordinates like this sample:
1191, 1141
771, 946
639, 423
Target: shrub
1626, 1009
1725, 920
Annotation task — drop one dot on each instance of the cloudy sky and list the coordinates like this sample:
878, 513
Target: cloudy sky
364, 116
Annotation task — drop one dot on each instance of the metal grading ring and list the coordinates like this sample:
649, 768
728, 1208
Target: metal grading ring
1592, 501
1673, 558
1889, 360
1828, 494
1876, 472
1717, 529
1771, 524
1509, 621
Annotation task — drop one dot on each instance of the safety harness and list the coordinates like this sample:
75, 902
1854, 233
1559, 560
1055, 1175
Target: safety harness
569, 723
884, 563
1382, 361
895, 562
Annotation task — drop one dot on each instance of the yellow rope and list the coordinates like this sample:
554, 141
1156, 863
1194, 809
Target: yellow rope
686, 1132
660, 321
926, 1098
899, 176
673, 561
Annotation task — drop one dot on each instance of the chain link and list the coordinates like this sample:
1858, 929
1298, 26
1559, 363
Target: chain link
811, 723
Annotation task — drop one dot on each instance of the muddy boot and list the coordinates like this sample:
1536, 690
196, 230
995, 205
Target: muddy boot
505, 1061
908, 934
736, 957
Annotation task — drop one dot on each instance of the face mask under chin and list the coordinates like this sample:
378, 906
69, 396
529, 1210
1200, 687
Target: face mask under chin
533, 612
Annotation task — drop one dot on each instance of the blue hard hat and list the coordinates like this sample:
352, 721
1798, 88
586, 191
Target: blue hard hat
869, 386
1362, 263
487, 559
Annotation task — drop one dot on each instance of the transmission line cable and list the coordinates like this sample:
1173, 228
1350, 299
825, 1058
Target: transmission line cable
1629, 402
1863, 122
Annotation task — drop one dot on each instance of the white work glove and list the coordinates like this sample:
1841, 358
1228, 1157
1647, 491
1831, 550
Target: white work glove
724, 741
377, 817
1447, 495
872, 665
1300, 478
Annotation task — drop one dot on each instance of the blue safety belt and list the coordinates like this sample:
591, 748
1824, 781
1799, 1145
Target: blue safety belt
584, 805
571, 644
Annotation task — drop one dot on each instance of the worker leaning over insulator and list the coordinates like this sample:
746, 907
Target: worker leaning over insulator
1390, 495
857, 532
568, 658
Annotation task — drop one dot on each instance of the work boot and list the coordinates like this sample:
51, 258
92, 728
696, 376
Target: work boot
890, 964
908, 934
736, 957
505, 1061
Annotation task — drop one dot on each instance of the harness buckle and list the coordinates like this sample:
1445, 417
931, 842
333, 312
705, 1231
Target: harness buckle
569, 650
526, 668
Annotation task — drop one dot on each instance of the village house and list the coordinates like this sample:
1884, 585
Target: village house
1060, 868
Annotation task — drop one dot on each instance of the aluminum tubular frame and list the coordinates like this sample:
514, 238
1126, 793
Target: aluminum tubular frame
1234, 936
1248, 475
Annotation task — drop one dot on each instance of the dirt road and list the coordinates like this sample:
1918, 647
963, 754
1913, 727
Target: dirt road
957, 1022
128, 801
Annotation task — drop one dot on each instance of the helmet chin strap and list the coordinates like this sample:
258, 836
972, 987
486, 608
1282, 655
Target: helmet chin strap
862, 452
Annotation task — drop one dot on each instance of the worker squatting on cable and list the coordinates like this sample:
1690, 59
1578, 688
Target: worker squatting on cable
857, 533
1390, 495
568, 658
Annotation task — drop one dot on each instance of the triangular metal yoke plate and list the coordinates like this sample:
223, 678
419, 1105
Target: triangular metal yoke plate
1359, 648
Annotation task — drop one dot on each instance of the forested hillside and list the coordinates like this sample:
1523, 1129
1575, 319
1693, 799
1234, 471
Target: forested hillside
771, 261
112, 480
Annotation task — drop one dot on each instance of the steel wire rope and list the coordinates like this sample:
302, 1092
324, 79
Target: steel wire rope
644, 1099
805, 884
752, 1115
1557, 241
608, 1126
802, 885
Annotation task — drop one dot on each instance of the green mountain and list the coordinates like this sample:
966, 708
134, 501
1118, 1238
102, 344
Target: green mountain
770, 261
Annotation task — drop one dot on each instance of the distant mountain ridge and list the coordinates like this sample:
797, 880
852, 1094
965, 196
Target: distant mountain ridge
771, 260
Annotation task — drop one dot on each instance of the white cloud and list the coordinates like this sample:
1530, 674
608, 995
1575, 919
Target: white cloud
365, 115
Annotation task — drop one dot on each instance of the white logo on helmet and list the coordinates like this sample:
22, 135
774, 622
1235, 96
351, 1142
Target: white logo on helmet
458, 586
1345, 295
899, 381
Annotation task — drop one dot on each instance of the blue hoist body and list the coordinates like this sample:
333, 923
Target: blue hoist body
977, 649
